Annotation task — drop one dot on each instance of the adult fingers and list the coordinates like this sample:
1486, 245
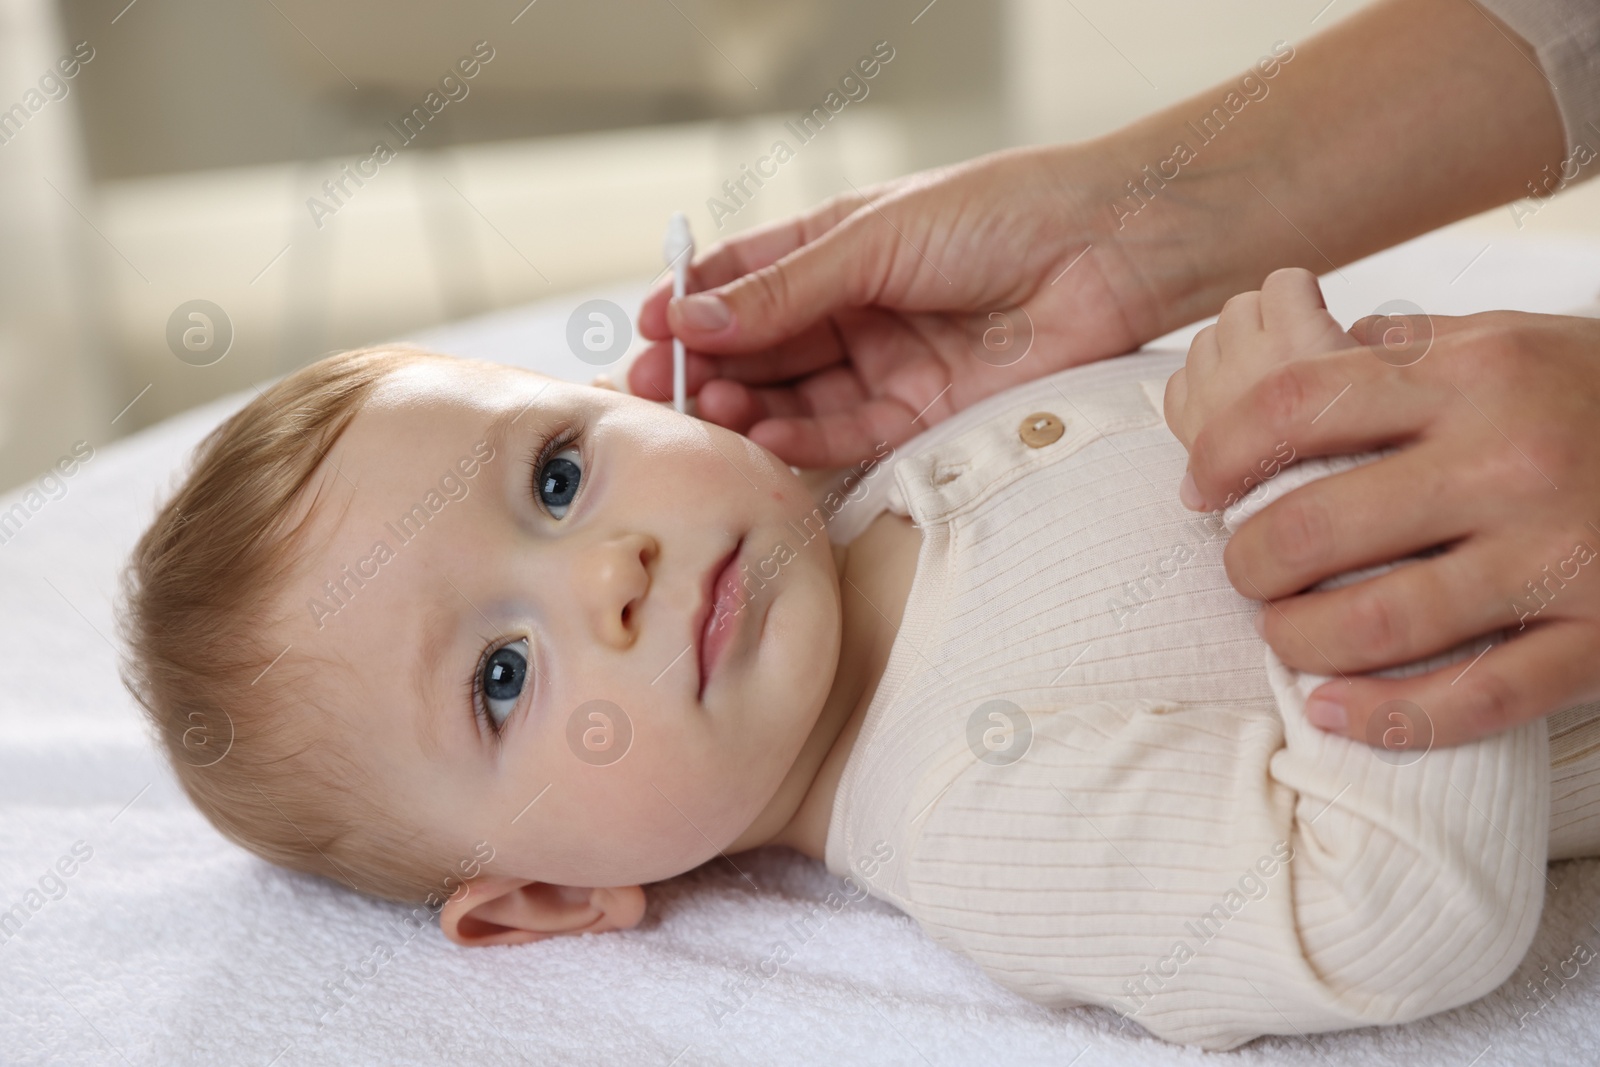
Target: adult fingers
1345, 401
818, 347
840, 438
749, 251
1414, 333
828, 420
1420, 608
650, 374
1544, 669
847, 267
1387, 509
738, 407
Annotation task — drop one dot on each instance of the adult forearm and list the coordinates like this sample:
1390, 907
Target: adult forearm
1406, 116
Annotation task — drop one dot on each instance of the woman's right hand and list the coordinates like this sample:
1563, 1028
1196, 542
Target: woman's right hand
864, 321
882, 312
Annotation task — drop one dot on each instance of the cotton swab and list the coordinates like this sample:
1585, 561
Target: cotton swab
677, 250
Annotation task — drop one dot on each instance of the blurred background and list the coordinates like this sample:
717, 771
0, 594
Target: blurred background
186, 157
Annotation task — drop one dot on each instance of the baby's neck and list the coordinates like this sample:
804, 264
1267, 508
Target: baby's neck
876, 570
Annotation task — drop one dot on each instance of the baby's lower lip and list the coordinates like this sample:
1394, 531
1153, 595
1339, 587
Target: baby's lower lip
724, 616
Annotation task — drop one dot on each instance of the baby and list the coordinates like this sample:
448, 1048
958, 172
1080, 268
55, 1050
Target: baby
511, 648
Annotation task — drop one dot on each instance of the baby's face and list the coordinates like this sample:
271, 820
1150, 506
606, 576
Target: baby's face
567, 591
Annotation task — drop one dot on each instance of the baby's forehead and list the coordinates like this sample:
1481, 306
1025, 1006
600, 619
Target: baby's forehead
420, 412
446, 383
420, 423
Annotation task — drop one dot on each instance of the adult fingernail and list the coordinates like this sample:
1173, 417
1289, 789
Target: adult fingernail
704, 311
1189, 493
1327, 714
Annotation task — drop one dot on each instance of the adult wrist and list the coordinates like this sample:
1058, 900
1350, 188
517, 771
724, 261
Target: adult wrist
1353, 141
1184, 230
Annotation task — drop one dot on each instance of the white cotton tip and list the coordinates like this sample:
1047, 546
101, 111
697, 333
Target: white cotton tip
679, 241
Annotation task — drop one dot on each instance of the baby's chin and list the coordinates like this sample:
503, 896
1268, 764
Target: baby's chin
785, 674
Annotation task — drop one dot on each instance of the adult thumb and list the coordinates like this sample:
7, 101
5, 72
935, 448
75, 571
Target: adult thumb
1380, 330
758, 310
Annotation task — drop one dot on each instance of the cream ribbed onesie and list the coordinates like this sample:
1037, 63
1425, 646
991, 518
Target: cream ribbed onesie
1085, 770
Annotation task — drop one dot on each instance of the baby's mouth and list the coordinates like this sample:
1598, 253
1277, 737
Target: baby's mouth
720, 613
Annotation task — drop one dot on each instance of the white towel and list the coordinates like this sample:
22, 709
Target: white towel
170, 945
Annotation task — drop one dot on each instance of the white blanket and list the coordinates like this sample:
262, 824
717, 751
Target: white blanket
169, 945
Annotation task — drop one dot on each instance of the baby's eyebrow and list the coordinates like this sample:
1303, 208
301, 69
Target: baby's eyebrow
442, 623
500, 426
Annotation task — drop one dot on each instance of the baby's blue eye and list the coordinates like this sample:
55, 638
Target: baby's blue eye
504, 675
558, 480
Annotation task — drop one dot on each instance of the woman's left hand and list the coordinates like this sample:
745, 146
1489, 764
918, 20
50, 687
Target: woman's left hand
1498, 419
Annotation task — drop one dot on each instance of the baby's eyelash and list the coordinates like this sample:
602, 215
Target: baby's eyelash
476, 691
544, 447
475, 688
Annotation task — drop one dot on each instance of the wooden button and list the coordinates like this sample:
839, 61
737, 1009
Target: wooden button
1040, 429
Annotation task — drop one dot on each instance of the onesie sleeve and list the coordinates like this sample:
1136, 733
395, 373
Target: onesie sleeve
1565, 34
1215, 874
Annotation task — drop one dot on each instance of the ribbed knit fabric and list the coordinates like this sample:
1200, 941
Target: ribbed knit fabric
1575, 782
1083, 768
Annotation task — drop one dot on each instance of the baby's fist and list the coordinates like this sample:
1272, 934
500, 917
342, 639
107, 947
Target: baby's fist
1256, 331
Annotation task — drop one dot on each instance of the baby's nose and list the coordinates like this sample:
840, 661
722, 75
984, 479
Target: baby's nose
612, 580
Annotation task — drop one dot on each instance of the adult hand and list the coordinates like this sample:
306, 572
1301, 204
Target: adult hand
863, 320
881, 313
1499, 464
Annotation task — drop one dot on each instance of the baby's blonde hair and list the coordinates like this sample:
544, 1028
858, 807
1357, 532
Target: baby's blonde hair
238, 728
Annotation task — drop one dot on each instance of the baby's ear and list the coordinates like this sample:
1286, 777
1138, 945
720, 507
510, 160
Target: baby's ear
603, 381
501, 910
